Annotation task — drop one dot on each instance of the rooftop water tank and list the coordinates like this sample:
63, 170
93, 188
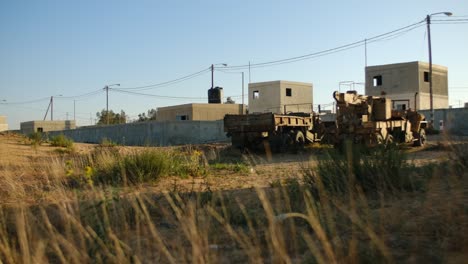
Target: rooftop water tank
215, 95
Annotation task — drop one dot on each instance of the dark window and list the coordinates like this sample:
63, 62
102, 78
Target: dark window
426, 76
182, 117
288, 92
40, 129
256, 94
401, 107
377, 80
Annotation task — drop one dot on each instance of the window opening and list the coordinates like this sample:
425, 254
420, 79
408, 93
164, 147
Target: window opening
377, 80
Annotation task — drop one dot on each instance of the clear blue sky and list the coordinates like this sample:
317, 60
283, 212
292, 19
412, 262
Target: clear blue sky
54, 47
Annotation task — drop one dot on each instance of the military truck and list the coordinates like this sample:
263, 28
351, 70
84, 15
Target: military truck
370, 120
276, 132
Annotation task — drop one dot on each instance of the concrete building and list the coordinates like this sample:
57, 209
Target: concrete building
3, 124
280, 97
407, 84
46, 126
194, 112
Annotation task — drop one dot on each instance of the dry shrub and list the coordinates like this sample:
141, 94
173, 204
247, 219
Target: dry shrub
282, 224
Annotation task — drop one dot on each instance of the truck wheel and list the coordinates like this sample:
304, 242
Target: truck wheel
287, 142
389, 139
421, 140
374, 140
299, 142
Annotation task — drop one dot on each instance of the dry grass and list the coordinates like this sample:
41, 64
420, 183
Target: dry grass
43, 219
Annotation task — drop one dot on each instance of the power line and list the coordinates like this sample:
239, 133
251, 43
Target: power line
327, 51
159, 96
167, 83
81, 96
27, 102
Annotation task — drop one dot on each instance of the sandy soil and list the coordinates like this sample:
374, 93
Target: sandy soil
18, 157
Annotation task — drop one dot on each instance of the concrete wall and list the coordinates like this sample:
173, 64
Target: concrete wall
272, 97
401, 81
3, 123
206, 112
46, 126
152, 133
454, 120
215, 111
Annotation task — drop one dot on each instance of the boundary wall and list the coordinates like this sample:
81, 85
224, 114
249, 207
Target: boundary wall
151, 133
452, 120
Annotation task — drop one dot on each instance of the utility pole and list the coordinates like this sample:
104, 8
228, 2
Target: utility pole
212, 76
107, 104
107, 100
365, 52
52, 108
74, 110
242, 92
212, 72
428, 22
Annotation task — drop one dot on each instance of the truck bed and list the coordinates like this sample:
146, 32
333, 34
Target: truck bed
264, 122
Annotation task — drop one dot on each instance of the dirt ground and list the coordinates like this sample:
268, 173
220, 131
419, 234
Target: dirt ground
19, 157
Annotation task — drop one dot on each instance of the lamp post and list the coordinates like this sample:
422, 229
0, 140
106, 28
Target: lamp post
212, 72
428, 22
107, 100
349, 83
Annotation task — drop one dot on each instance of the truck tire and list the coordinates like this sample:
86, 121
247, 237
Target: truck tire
389, 139
287, 142
299, 142
421, 138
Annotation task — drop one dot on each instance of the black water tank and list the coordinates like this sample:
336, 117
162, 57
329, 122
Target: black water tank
215, 95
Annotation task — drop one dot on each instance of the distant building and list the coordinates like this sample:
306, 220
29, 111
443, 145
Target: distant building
3, 123
407, 84
280, 97
198, 111
46, 126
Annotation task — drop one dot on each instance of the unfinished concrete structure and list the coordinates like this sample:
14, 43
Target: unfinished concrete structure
407, 84
198, 112
3, 124
46, 126
280, 97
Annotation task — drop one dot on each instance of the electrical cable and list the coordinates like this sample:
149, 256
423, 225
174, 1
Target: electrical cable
158, 96
81, 96
167, 83
26, 102
324, 52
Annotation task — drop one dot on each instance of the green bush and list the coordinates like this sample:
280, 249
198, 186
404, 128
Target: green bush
383, 168
105, 142
36, 138
134, 168
234, 167
61, 141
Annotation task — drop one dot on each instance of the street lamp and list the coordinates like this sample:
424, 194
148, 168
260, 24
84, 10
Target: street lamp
428, 22
107, 100
212, 72
242, 88
349, 83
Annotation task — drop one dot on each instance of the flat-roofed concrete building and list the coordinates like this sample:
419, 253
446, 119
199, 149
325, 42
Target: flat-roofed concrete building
280, 97
45, 126
3, 123
197, 111
407, 84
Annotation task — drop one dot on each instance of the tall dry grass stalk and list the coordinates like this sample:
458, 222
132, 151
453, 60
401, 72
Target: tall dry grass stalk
46, 220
